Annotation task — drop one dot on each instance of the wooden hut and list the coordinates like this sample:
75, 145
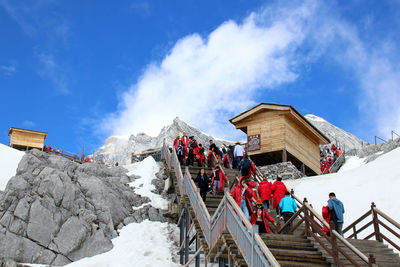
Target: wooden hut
26, 139
279, 133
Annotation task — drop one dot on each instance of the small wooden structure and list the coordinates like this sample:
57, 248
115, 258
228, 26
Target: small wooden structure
279, 133
26, 139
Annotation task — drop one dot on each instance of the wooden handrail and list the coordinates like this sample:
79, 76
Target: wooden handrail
387, 217
374, 212
357, 221
194, 188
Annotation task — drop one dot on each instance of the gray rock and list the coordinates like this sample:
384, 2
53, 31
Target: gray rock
285, 170
71, 235
9, 263
60, 260
41, 225
95, 244
17, 226
55, 211
22, 209
129, 220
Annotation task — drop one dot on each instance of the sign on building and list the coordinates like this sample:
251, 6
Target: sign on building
253, 142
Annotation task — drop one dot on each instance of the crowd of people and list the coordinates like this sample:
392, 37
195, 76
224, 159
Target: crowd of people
328, 156
255, 202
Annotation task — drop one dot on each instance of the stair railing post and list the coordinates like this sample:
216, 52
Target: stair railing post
376, 223
334, 244
306, 217
371, 260
312, 219
181, 236
197, 260
187, 222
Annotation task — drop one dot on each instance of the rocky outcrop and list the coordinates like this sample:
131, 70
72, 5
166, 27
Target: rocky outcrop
55, 211
339, 137
371, 152
285, 170
119, 149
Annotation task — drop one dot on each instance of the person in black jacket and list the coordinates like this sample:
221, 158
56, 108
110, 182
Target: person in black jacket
203, 183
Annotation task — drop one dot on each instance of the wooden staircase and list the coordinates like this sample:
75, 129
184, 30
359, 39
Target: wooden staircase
297, 249
383, 255
294, 250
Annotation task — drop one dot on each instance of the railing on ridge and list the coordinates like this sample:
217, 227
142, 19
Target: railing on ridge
336, 165
65, 154
313, 222
377, 223
228, 216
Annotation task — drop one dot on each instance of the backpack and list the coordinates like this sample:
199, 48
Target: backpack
246, 164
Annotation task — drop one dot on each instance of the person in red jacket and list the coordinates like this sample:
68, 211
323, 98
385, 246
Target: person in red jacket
326, 214
243, 196
261, 217
226, 161
218, 177
278, 191
265, 191
176, 142
252, 185
185, 143
252, 168
199, 155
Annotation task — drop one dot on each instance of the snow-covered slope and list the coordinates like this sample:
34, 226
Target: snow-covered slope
335, 134
10, 158
119, 149
377, 181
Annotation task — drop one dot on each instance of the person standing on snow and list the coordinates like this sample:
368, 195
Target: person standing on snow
336, 208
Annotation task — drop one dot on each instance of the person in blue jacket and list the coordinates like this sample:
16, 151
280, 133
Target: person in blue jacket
288, 207
336, 208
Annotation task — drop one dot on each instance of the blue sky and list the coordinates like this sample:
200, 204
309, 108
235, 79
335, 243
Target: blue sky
83, 71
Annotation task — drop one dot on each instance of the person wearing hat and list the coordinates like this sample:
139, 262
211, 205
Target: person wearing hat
261, 217
218, 178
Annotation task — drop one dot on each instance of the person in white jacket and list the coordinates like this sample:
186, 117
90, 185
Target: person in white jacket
238, 153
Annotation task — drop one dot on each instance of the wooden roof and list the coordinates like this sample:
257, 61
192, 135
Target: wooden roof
273, 106
24, 130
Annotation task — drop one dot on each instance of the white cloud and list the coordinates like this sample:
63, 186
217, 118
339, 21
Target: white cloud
207, 80
52, 71
28, 124
377, 71
9, 69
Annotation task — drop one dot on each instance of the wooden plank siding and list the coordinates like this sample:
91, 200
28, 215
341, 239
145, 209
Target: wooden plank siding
282, 127
26, 138
271, 128
299, 144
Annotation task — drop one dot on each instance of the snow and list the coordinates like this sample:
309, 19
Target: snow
139, 244
377, 181
352, 162
10, 158
314, 118
147, 170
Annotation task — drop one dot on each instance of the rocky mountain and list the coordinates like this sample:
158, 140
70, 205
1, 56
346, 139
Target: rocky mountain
55, 211
119, 149
337, 136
